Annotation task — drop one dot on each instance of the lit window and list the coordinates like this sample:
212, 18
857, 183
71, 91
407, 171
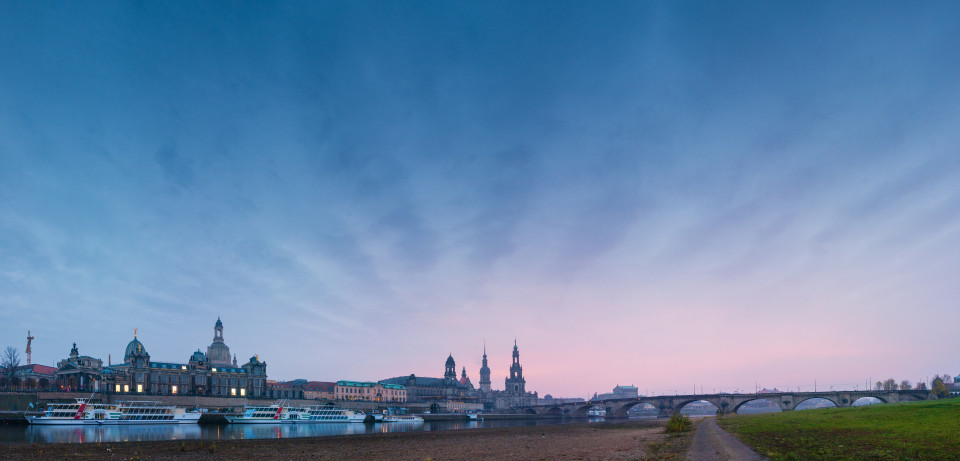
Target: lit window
173, 389
126, 388
118, 388
213, 370
233, 391
139, 387
184, 367
243, 392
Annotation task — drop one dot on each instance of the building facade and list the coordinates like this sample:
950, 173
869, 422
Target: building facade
138, 374
319, 390
433, 390
370, 392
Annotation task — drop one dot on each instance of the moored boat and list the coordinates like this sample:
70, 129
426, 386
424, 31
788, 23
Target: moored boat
82, 412
280, 414
402, 419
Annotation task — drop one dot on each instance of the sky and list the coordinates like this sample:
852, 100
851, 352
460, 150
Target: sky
673, 195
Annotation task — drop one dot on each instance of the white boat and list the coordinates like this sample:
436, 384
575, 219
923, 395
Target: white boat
280, 414
402, 419
82, 412
596, 413
331, 414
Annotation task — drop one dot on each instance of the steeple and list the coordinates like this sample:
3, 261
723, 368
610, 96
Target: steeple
515, 383
218, 331
450, 372
485, 371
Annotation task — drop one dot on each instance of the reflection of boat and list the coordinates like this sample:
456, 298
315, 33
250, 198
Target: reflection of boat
279, 414
82, 412
402, 419
596, 412
473, 416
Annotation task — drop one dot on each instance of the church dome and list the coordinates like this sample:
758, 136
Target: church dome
450, 362
219, 354
198, 357
135, 347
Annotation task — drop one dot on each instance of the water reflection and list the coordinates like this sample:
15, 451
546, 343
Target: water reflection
146, 432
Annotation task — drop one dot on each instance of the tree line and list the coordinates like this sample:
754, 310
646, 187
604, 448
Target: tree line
9, 376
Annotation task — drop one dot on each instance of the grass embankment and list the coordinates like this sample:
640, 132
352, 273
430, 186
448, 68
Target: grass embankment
905, 431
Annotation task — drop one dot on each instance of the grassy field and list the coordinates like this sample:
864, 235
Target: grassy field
906, 431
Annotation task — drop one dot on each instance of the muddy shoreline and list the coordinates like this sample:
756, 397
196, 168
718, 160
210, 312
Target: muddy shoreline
632, 439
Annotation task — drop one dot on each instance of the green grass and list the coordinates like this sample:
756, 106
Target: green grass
905, 431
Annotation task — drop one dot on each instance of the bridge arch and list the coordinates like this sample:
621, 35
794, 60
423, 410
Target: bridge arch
774, 400
715, 403
621, 411
554, 411
530, 411
862, 397
580, 411
810, 399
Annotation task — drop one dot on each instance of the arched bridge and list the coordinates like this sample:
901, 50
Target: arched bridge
726, 403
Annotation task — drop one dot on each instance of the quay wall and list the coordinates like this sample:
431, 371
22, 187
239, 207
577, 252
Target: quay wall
18, 401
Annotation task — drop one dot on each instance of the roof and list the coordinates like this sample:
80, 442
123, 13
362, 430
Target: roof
423, 382
322, 386
167, 365
38, 369
356, 383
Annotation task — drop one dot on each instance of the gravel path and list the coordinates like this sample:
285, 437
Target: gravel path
710, 443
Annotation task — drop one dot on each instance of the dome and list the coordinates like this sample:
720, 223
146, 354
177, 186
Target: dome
450, 362
219, 354
135, 347
198, 357
219, 323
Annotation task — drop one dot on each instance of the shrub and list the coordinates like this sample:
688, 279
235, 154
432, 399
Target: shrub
679, 423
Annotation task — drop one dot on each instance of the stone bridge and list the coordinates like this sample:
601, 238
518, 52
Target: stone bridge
726, 403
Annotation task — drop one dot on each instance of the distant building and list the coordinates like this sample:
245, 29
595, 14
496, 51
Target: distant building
515, 386
35, 376
285, 389
619, 392
370, 391
319, 390
139, 375
551, 400
431, 390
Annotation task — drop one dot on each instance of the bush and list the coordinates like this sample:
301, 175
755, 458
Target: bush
679, 423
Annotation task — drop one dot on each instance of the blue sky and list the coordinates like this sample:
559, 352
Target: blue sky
658, 194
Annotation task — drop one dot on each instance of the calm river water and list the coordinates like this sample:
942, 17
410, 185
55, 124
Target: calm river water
147, 432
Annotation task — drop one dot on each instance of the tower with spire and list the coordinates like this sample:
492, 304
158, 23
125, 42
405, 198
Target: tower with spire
485, 372
515, 384
450, 373
218, 353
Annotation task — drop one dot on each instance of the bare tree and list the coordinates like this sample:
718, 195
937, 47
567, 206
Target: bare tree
921, 386
890, 384
9, 361
905, 385
878, 386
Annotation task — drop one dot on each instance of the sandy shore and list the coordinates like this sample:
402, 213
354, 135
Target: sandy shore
623, 440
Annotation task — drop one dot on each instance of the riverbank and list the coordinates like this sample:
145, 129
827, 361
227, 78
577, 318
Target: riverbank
618, 440
915, 430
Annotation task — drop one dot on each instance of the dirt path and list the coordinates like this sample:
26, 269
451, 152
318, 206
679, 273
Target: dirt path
710, 443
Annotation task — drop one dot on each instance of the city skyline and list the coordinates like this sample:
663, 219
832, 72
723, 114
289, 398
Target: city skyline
662, 195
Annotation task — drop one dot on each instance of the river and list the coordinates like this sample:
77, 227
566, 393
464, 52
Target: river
156, 432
